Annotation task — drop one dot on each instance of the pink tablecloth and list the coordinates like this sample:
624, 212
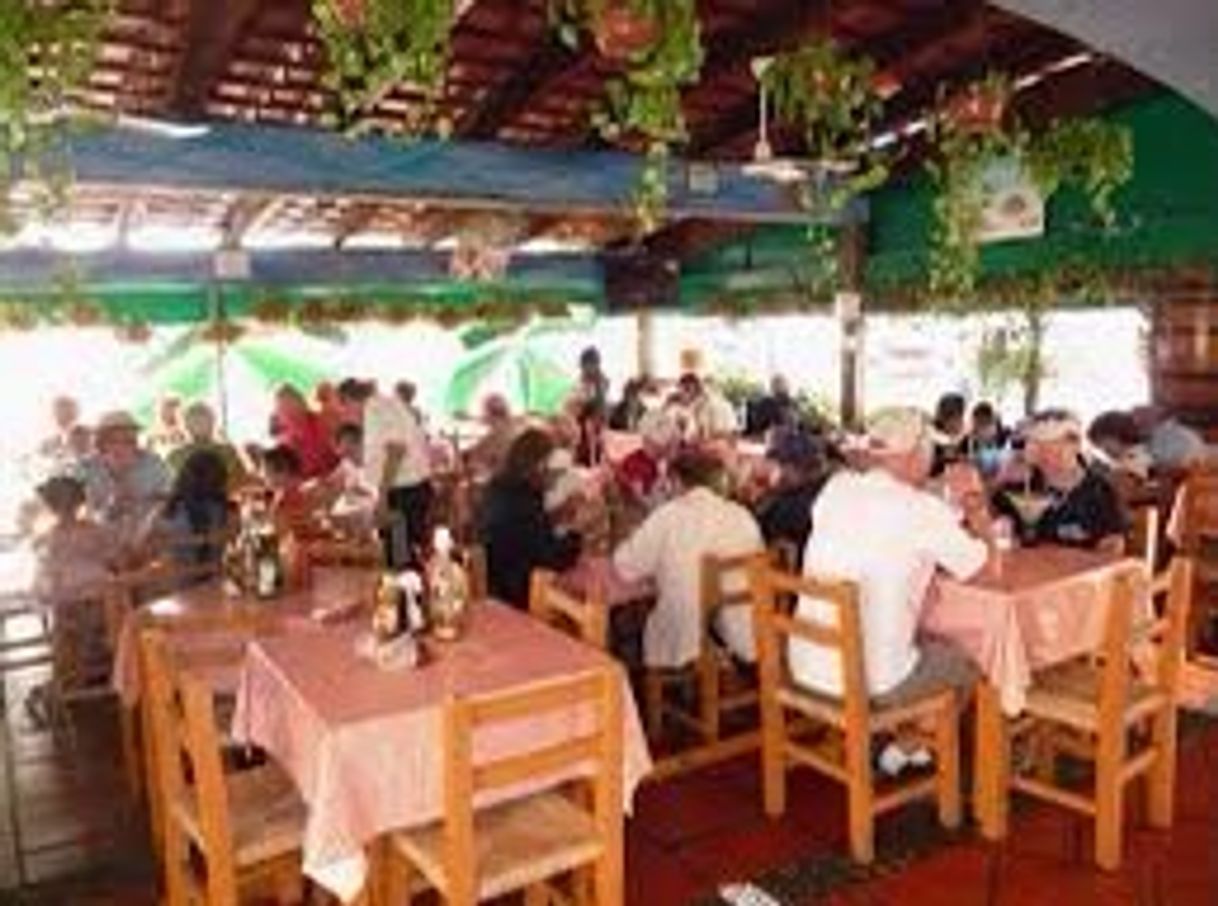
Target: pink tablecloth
204, 617
364, 746
1042, 607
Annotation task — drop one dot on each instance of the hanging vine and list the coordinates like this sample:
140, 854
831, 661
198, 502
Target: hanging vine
47, 51
832, 99
374, 46
659, 46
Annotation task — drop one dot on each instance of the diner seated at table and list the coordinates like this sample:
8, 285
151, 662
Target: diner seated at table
784, 512
73, 560
775, 409
1172, 445
199, 422
643, 475
352, 502
627, 413
1054, 495
669, 547
190, 527
124, 483
297, 427
1117, 451
65, 415
881, 529
167, 432
294, 503
986, 442
487, 455
513, 525
951, 431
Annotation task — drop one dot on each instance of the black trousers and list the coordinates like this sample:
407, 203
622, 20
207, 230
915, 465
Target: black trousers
409, 529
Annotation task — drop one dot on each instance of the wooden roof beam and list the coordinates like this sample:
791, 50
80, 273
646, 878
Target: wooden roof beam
213, 30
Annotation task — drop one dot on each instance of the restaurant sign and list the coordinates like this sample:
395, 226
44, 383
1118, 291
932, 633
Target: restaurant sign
1012, 205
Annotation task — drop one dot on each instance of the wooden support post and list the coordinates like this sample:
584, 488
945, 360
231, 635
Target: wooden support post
645, 343
849, 304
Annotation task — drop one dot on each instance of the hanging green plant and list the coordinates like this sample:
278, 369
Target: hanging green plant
1094, 155
47, 51
374, 46
969, 136
659, 45
832, 99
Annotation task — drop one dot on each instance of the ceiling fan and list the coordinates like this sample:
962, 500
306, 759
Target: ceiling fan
783, 170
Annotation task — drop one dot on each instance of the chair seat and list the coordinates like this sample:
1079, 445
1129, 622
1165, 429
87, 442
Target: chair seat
1069, 694
517, 843
266, 814
831, 710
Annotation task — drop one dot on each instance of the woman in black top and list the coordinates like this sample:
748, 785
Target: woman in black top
514, 526
785, 514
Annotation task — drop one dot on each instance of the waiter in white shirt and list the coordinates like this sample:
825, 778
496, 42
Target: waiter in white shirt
882, 530
397, 460
668, 548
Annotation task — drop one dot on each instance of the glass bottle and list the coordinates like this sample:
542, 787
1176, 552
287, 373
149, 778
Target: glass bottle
448, 588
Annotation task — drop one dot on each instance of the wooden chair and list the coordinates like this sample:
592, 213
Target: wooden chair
222, 835
833, 735
584, 618
1120, 717
475, 854
1145, 534
722, 689
1196, 537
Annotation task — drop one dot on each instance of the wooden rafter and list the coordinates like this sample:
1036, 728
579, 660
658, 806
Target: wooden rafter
213, 29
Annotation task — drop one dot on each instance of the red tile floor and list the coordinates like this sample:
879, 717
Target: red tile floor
68, 835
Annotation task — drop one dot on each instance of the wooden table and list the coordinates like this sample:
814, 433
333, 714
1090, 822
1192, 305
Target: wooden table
1036, 607
364, 745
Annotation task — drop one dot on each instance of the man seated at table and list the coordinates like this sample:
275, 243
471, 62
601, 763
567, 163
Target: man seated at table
785, 511
124, 482
1059, 498
487, 455
881, 529
669, 547
643, 475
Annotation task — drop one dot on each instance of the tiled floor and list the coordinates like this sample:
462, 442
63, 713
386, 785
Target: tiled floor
63, 807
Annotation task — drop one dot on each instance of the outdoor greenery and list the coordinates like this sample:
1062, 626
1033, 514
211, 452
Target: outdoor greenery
47, 51
1092, 154
642, 108
375, 46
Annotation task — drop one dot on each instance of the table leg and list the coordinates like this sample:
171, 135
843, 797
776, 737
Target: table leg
991, 765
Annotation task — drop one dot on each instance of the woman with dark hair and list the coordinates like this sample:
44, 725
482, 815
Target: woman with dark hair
196, 514
514, 526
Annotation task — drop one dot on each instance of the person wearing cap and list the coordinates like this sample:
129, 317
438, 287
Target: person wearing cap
785, 513
668, 548
397, 460
124, 483
1082, 508
882, 530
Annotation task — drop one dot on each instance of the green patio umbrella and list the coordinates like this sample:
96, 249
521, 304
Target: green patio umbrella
237, 375
521, 364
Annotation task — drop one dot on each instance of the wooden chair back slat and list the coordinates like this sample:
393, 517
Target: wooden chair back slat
773, 589
189, 770
717, 586
594, 696
1145, 533
585, 618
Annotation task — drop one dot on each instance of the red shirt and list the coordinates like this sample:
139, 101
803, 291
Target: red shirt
311, 440
639, 472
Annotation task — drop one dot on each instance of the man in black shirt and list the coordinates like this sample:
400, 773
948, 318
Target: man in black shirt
772, 411
785, 514
1062, 500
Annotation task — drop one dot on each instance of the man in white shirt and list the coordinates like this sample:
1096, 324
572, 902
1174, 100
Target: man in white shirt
881, 530
668, 548
397, 461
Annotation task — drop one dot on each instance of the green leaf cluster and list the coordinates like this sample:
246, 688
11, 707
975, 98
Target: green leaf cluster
392, 43
47, 51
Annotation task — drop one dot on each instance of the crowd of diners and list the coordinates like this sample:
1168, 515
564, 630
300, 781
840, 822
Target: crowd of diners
914, 492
